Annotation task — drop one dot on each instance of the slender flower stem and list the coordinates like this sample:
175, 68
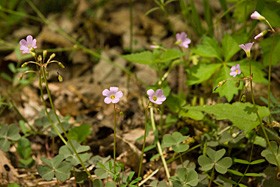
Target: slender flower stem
46, 110
159, 146
212, 176
269, 76
142, 154
115, 129
260, 120
61, 126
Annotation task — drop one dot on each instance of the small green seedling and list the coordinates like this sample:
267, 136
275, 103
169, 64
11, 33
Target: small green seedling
185, 178
214, 159
176, 142
24, 151
268, 154
8, 133
67, 152
55, 167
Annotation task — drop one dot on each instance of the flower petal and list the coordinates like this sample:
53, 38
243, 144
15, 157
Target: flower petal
114, 89
116, 100
29, 39
151, 92
161, 98
106, 93
107, 100
23, 42
119, 94
159, 92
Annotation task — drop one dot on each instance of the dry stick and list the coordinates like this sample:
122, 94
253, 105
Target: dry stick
159, 147
61, 126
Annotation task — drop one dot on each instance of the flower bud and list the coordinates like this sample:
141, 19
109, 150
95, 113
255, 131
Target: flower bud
24, 64
256, 15
60, 79
45, 53
260, 34
243, 98
61, 65
52, 56
247, 84
33, 53
39, 58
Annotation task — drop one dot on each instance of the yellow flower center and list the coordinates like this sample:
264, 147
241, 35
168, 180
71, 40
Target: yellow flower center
112, 96
236, 71
154, 98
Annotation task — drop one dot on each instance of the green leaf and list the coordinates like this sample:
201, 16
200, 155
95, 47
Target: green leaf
175, 102
145, 57
110, 184
268, 154
230, 47
13, 185
219, 154
192, 178
24, 148
253, 175
175, 140
257, 161
242, 115
209, 48
266, 46
170, 54
46, 172
201, 72
101, 173
256, 68
4, 145
228, 89
79, 133
222, 165
205, 163
63, 171
196, 115
235, 172
240, 161
97, 183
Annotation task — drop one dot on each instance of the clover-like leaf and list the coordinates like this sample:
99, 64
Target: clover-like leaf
8, 133
222, 165
56, 167
205, 162
70, 155
215, 160
268, 154
175, 141
185, 178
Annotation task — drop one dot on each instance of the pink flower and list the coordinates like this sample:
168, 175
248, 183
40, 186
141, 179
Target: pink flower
28, 44
154, 46
247, 47
156, 97
182, 40
260, 34
256, 15
235, 70
112, 95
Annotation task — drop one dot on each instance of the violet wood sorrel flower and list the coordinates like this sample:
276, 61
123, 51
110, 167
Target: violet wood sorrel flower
28, 44
247, 48
156, 97
260, 34
182, 40
256, 15
112, 95
235, 70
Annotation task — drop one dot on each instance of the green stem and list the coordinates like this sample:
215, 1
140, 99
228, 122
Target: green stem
142, 154
269, 77
46, 110
212, 176
260, 120
159, 146
250, 159
115, 129
61, 126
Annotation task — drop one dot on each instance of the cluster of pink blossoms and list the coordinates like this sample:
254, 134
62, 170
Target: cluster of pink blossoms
113, 95
235, 70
